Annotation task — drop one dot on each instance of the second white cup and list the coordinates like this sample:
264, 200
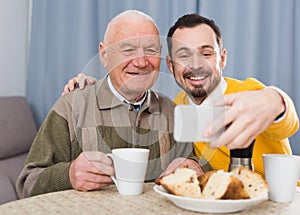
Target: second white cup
130, 169
282, 174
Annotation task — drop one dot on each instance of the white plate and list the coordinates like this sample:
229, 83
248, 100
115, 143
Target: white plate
210, 206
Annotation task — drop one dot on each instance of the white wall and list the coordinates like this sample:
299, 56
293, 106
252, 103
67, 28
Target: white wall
13, 46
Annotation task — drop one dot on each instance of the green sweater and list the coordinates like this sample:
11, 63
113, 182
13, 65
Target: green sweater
94, 119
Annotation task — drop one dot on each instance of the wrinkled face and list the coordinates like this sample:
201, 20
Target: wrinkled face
197, 61
132, 57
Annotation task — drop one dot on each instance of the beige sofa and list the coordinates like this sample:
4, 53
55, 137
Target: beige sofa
17, 131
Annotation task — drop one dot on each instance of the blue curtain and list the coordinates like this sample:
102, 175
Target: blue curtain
261, 37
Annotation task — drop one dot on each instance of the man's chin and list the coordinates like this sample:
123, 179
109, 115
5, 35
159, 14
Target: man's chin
135, 90
198, 96
198, 93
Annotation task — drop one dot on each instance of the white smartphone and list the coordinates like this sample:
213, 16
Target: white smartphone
191, 121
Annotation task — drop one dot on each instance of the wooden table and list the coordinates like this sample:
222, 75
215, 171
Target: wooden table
109, 201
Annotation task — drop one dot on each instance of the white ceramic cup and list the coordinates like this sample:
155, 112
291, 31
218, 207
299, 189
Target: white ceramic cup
130, 169
282, 174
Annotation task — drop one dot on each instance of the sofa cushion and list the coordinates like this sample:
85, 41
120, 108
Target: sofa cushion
17, 126
7, 190
10, 169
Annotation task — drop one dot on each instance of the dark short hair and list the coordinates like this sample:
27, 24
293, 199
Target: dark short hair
192, 20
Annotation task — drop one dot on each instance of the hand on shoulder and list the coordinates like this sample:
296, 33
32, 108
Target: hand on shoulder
81, 80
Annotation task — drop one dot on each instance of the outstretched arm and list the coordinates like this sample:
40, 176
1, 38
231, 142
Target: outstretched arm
251, 113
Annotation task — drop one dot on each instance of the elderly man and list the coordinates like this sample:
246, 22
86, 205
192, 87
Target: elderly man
196, 59
119, 111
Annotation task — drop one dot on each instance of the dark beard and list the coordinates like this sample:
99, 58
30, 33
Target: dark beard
198, 93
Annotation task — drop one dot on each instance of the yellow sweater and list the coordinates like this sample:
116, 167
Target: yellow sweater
272, 140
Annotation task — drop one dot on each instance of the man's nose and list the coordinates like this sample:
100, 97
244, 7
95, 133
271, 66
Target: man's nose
141, 60
197, 62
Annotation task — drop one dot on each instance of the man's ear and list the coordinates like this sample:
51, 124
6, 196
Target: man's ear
103, 54
223, 59
169, 64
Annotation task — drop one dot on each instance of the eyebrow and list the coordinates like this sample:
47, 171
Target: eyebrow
157, 45
207, 47
182, 49
126, 44
201, 47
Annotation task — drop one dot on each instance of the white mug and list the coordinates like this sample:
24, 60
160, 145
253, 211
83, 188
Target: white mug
130, 169
282, 174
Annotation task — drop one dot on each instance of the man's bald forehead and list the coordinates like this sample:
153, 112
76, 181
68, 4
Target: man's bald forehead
126, 16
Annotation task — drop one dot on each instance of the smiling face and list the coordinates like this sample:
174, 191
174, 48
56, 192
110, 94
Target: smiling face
197, 61
131, 53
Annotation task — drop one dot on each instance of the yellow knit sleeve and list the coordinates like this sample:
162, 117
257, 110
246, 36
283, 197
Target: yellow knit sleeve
289, 124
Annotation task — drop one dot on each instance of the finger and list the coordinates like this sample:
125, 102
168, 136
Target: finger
216, 126
168, 171
81, 83
66, 90
228, 136
191, 164
89, 172
81, 78
102, 168
96, 186
235, 135
86, 171
245, 136
99, 163
220, 123
98, 157
91, 81
105, 159
97, 178
86, 186
178, 163
195, 166
175, 164
240, 145
71, 84
242, 141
